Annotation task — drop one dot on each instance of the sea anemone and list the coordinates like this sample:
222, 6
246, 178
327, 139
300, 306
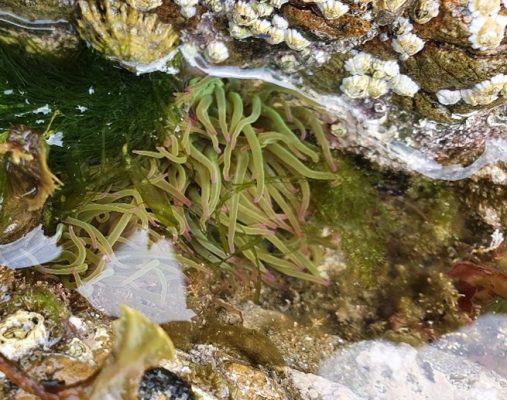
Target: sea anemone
124, 34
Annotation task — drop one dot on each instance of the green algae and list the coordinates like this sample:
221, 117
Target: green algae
40, 299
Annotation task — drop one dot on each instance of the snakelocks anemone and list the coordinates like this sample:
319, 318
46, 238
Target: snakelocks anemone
237, 171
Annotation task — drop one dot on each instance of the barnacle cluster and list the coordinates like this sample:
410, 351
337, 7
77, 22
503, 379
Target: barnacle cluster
237, 175
487, 28
372, 77
481, 94
123, 33
406, 43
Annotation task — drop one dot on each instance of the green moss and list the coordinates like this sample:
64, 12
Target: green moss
40, 299
96, 107
353, 207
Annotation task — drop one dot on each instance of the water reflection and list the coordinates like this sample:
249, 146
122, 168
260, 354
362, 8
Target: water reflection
33, 248
143, 275
468, 364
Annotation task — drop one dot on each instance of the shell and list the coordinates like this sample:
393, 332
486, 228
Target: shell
243, 14
487, 32
186, 3
279, 22
263, 9
295, 40
385, 69
485, 92
260, 27
404, 86
332, 9
484, 8
360, 64
215, 5
216, 52
188, 12
144, 5
401, 26
356, 87
21, 333
377, 88
407, 45
448, 97
275, 35
239, 32
425, 10
122, 33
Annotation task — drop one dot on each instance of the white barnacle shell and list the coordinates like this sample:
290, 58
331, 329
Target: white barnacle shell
425, 10
500, 80
333, 9
360, 64
484, 8
278, 3
186, 3
356, 86
188, 12
275, 35
243, 14
239, 32
485, 92
144, 5
263, 9
260, 27
404, 86
402, 26
279, 22
377, 88
295, 40
448, 97
216, 52
385, 69
487, 32
215, 5
407, 45
389, 5
21, 333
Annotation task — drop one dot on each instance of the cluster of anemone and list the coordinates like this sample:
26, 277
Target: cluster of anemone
124, 33
229, 184
237, 173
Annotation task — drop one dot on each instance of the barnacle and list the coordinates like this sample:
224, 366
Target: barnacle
448, 97
216, 52
275, 35
487, 32
385, 69
243, 14
484, 8
144, 5
239, 32
260, 27
360, 64
401, 26
187, 7
333, 9
295, 40
377, 88
407, 45
279, 22
122, 33
356, 86
483, 93
404, 86
425, 10
21, 333
263, 9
